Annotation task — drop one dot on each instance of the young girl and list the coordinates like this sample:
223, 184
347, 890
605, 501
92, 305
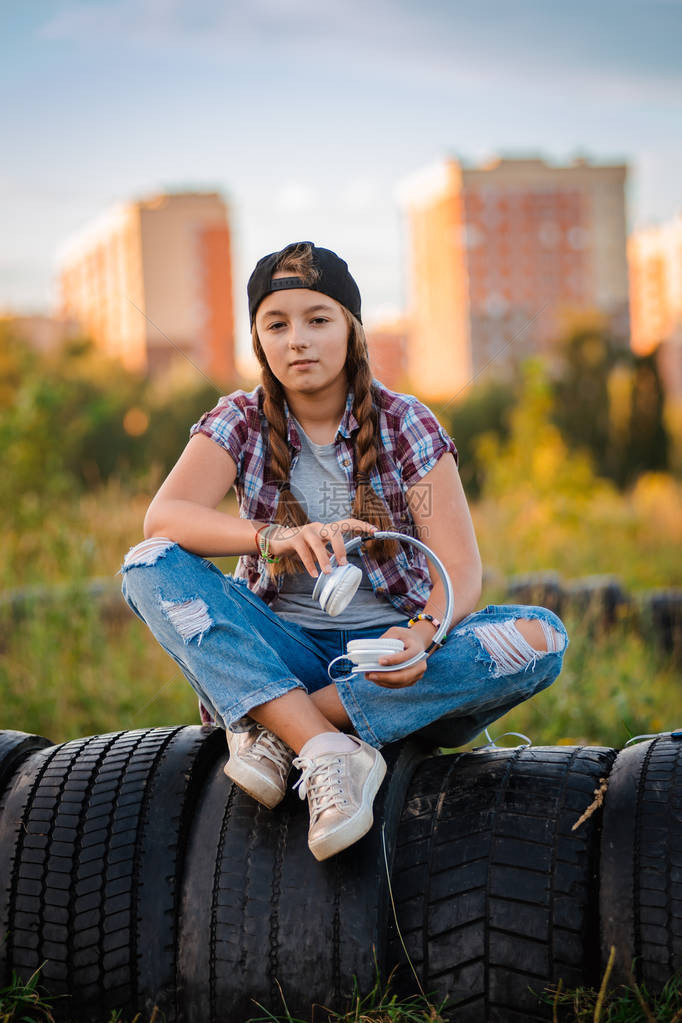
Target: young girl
319, 451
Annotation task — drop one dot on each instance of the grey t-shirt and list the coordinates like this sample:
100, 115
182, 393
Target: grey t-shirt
320, 487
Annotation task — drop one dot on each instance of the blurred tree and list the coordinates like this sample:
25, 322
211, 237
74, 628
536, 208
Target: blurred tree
539, 498
15, 361
72, 418
65, 421
171, 417
485, 410
609, 403
533, 459
647, 442
586, 357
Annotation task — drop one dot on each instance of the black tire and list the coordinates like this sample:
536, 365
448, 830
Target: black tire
92, 842
496, 895
598, 601
15, 747
537, 588
258, 910
641, 863
663, 612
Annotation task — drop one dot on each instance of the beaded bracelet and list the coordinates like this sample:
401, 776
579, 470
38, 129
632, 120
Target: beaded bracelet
423, 618
264, 551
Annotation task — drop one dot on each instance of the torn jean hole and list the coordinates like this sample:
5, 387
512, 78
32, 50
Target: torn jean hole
190, 618
148, 552
511, 652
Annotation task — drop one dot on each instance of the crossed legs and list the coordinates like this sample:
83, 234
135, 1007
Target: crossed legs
297, 716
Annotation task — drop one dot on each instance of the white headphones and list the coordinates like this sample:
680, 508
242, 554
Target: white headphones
336, 590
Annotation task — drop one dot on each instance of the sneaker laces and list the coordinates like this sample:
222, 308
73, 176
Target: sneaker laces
270, 746
321, 780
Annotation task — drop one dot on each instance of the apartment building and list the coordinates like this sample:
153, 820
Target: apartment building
151, 282
502, 256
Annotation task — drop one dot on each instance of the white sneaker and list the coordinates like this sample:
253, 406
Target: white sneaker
341, 788
259, 764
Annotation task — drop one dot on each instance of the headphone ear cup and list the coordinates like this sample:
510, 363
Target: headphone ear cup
341, 586
322, 591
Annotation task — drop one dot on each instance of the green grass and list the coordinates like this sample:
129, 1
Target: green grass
23, 1001
378, 1006
613, 685
575, 532
631, 1003
65, 673
636, 536
626, 1004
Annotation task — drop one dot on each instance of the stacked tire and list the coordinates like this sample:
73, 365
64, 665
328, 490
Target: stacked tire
92, 840
14, 748
259, 912
497, 894
641, 856
139, 876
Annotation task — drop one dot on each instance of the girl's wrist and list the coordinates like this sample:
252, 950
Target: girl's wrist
259, 527
263, 542
425, 635
426, 630
424, 619
270, 534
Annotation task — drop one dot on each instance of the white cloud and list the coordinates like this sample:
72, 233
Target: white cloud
610, 52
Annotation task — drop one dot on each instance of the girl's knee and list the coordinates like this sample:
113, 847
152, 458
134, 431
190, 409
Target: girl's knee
516, 644
543, 629
542, 636
148, 552
139, 585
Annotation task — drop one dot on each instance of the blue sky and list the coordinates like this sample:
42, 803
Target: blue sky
307, 115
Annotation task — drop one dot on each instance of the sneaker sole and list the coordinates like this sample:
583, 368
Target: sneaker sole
356, 826
261, 789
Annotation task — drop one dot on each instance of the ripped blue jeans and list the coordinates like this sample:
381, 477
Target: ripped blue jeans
237, 653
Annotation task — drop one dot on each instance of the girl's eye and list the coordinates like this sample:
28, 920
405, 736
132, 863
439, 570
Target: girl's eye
275, 326
320, 319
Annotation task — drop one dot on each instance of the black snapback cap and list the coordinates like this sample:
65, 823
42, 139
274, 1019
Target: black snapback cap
334, 279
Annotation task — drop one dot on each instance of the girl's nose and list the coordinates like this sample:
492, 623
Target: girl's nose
297, 336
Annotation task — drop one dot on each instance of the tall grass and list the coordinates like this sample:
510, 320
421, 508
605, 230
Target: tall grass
626, 1004
543, 507
636, 535
65, 671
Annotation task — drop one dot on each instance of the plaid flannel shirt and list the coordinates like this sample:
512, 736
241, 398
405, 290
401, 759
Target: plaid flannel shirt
412, 442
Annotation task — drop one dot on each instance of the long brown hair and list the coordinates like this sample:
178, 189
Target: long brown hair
367, 504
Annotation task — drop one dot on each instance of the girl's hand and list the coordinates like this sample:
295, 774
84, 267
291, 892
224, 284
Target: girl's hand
414, 644
310, 541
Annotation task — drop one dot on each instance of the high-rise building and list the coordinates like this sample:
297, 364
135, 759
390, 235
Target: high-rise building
655, 265
387, 346
42, 333
501, 256
151, 282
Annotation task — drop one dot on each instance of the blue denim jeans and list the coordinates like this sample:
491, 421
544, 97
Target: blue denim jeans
237, 653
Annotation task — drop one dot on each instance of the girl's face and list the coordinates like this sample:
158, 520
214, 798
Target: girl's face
303, 326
